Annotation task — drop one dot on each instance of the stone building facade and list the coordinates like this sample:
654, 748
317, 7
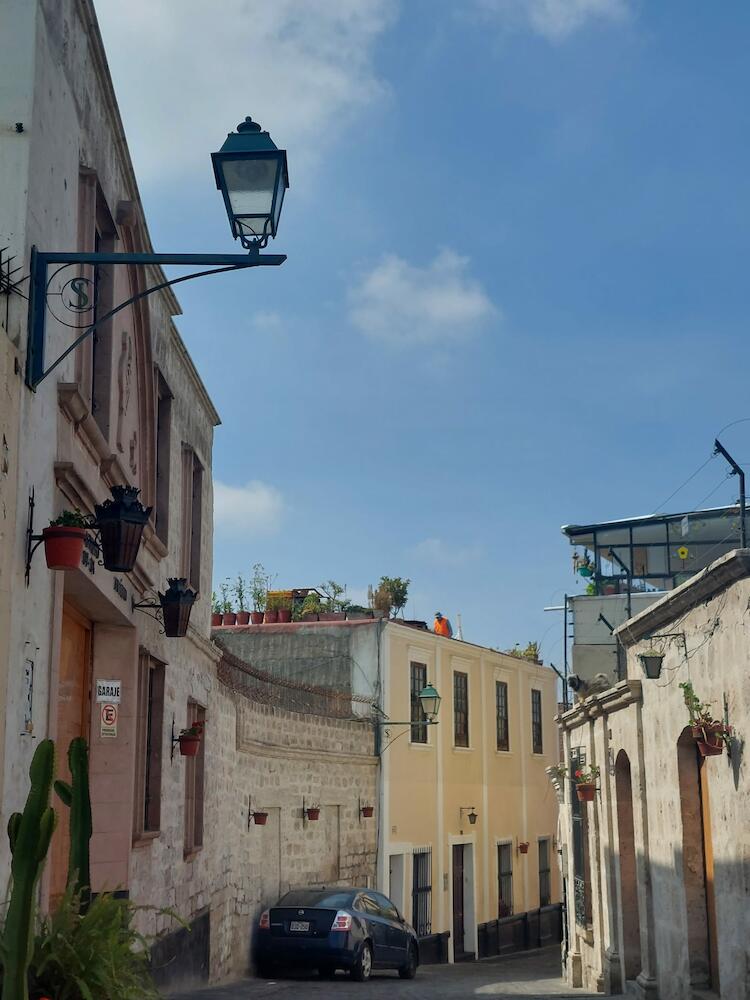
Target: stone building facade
657, 868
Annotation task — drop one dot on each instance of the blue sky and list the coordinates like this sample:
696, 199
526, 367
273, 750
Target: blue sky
516, 292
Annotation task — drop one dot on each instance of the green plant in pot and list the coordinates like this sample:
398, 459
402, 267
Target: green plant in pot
258, 593
311, 607
228, 617
190, 739
64, 539
711, 735
585, 779
216, 613
277, 605
241, 593
336, 603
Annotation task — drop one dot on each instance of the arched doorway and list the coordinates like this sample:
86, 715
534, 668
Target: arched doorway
631, 925
697, 864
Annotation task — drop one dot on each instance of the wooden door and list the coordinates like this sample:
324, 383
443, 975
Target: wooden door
458, 901
73, 716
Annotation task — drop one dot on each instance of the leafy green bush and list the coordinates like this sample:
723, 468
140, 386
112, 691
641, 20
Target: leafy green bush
97, 955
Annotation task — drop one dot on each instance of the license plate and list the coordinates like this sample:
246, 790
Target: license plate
299, 925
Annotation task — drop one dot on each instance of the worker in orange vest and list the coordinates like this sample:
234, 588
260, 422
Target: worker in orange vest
442, 626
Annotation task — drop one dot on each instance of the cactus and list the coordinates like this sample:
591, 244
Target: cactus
29, 834
76, 797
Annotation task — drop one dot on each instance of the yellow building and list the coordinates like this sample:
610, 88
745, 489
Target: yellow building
467, 814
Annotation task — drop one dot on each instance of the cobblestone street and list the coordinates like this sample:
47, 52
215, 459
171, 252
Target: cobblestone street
534, 975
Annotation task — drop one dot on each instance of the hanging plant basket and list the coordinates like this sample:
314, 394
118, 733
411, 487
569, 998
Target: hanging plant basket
367, 811
524, 847
313, 813
586, 790
63, 546
189, 745
586, 570
260, 818
709, 738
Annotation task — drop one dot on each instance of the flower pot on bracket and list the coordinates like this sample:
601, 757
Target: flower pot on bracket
260, 818
524, 847
63, 546
367, 811
189, 745
709, 738
256, 617
243, 617
313, 813
586, 791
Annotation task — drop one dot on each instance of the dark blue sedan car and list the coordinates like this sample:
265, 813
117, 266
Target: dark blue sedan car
328, 929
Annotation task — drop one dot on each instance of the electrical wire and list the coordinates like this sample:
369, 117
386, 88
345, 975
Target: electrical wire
700, 503
689, 479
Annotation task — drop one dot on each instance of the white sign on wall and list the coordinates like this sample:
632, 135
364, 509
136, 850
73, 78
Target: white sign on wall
108, 724
109, 691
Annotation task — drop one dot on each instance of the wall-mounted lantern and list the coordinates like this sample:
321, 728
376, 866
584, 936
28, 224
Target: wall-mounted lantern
472, 814
430, 701
651, 662
174, 605
121, 521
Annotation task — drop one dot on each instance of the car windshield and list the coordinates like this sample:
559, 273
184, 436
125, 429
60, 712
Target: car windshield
317, 897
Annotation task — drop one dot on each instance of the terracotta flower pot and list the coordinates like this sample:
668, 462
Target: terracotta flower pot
586, 791
256, 617
216, 618
313, 814
367, 811
523, 848
332, 616
243, 617
708, 739
229, 618
259, 818
309, 616
285, 614
189, 745
271, 617
63, 546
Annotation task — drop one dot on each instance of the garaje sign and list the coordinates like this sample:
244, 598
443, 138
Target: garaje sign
109, 691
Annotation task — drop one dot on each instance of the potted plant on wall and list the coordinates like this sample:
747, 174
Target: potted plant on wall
284, 606
260, 817
240, 592
313, 811
216, 615
258, 591
585, 781
64, 538
523, 846
190, 739
311, 608
710, 735
228, 616
336, 604
367, 811
271, 615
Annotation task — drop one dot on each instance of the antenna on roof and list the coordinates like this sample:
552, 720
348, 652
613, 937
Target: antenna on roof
459, 629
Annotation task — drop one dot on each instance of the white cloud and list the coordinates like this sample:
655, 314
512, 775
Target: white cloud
410, 306
555, 20
441, 553
187, 71
254, 509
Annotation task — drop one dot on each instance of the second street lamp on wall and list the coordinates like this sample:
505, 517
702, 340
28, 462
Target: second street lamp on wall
176, 605
121, 521
430, 701
251, 173
651, 663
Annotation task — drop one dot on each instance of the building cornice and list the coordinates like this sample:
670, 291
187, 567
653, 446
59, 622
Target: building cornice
720, 575
614, 699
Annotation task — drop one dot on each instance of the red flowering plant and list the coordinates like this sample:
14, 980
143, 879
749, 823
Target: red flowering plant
193, 730
586, 777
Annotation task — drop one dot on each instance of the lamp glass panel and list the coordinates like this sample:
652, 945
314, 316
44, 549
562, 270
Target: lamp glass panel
250, 185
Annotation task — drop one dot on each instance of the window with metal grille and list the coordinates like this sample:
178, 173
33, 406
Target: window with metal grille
581, 865
150, 724
536, 721
544, 872
194, 769
421, 892
461, 709
501, 707
504, 880
418, 683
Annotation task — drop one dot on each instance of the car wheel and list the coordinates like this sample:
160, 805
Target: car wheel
264, 970
327, 971
363, 966
409, 970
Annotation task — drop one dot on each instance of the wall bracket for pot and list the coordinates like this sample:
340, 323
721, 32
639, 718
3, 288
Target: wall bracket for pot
172, 742
34, 541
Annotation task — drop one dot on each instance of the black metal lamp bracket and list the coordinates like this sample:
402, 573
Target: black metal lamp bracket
153, 610
79, 299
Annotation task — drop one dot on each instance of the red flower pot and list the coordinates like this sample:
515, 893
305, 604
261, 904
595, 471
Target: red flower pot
523, 848
708, 739
313, 814
271, 617
229, 618
63, 546
256, 617
285, 614
189, 745
259, 818
333, 616
309, 616
586, 791
216, 618
243, 617
367, 811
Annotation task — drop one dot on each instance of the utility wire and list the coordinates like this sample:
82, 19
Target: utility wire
700, 503
663, 504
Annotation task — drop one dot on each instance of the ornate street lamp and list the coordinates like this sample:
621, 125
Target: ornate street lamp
651, 663
174, 607
251, 173
121, 521
430, 701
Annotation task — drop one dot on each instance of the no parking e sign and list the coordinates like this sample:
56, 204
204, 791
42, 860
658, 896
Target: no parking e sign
108, 721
